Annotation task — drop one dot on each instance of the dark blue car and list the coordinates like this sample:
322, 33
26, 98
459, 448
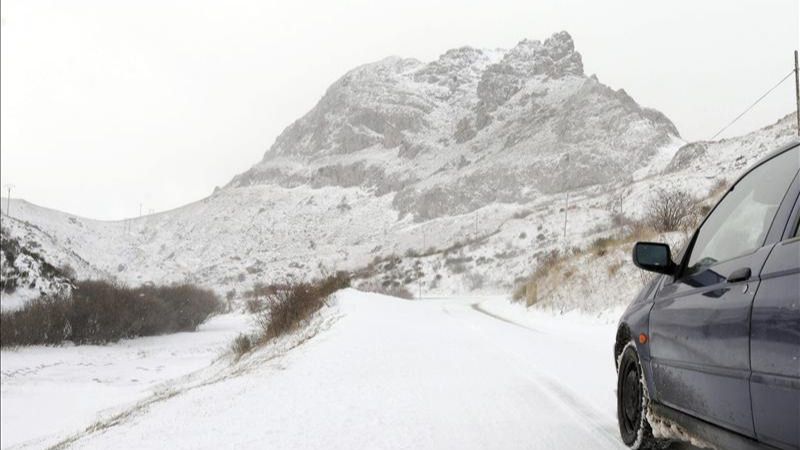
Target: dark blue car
711, 347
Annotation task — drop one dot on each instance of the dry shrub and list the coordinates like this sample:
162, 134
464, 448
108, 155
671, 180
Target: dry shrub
411, 253
599, 247
261, 290
387, 287
241, 345
521, 214
291, 306
98, 312
68, 271
254, 305
458, 268
671, 210
528, 291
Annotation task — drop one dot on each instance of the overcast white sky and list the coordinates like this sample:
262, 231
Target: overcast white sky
107, 104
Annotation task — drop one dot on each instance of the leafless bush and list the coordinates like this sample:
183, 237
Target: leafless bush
521, 214
291, 306
457, 264
670, 210
387, 287
254, 305
528, 290
98, 312
458, 268
261, 290
241, 345
599, 247
68, 271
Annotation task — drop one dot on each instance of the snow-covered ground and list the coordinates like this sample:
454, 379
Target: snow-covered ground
465, 372
48, 392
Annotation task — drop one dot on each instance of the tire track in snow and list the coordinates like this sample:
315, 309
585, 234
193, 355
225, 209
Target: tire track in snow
586, 416
477, 307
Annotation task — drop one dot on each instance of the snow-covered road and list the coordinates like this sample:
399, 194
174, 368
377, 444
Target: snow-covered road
390, 373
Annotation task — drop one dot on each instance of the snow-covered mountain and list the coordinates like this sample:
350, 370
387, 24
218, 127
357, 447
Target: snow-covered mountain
447, 176
474, 127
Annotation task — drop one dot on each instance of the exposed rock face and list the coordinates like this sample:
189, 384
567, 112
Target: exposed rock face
473, 127
25, 274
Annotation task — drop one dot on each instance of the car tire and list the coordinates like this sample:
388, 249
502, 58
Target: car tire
632, 403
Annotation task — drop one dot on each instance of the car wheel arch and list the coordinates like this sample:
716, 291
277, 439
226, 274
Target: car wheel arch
622, 339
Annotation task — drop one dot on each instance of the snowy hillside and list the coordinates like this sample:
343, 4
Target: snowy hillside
25, 273
443, 177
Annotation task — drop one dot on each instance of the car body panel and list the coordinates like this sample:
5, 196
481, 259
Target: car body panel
775, 348
700, 335
637, 321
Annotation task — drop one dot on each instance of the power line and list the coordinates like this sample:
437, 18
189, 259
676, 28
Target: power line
754, 104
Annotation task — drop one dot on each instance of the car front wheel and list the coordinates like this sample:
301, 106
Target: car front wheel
632, 402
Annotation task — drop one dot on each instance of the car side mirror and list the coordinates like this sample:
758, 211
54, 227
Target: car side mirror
653, 257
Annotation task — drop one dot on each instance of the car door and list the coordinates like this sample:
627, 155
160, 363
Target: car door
775, 340
700, 321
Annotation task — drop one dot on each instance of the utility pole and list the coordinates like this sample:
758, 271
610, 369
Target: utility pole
8, 199
140, 210
797, 90
566, 205
566, 211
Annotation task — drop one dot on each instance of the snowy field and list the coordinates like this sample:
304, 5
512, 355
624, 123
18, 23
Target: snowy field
48, 392
386, 373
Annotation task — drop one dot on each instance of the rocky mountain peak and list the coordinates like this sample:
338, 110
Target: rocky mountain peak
556, 57
438, 135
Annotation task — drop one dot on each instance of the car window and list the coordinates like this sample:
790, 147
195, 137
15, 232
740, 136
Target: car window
797, 221
797, 229
739, 224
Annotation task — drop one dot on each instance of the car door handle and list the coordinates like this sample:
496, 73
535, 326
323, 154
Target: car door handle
742, 274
